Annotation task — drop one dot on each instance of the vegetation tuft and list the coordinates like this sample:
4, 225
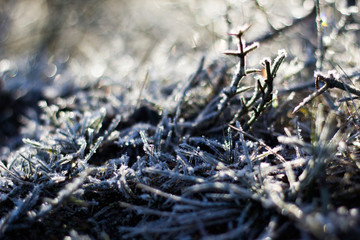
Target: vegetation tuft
242, 149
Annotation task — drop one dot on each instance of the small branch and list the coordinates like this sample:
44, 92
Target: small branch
210, 114
175, 198
261, 142
142, 89
241, 54
228, 23
185, 91
311, 97
267, 89
330, 82
320, 33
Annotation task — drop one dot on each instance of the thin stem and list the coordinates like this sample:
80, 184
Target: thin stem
229, 93
311, 97
320, 33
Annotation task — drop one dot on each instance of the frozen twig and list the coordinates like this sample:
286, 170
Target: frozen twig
186, 90
267, 89
320, 42
175, 198
281, 158
227, 94
330, 81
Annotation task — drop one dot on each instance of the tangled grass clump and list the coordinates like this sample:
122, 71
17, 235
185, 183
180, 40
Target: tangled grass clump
248, 160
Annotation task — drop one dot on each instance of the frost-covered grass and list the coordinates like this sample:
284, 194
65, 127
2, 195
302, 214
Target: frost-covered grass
258, 144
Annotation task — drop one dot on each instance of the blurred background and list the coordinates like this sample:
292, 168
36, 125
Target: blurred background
54, 48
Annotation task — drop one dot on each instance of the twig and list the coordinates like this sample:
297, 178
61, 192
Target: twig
311, 97
142, 89
185, 91
320, 33
228, 23
241, 53
173, 175
347, 90
139, 209
210, 114
177, 198
281, 158
267, 89
234, 190
332, 82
